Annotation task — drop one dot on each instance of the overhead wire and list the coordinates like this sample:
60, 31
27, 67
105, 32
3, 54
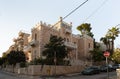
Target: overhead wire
72, 12
75, 9
95, 11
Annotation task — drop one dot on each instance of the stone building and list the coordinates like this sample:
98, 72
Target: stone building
20, 42
78, 46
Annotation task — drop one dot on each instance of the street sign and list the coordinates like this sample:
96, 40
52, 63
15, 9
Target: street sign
106, 54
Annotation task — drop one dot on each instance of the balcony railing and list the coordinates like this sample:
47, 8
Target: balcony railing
27, 48
70, 45
33, 43
68, 31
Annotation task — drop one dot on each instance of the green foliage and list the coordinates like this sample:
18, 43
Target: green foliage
104, 40
109, 38
113, 33
4, 59
55, 48
1, 61
85, 29
97, 53
16, 57
23, 64
116, 56
37, 61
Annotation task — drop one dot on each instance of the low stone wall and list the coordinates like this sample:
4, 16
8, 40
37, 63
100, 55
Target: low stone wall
10, 68
45, 70
49, 70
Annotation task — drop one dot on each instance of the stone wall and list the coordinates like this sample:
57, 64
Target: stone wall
49, 70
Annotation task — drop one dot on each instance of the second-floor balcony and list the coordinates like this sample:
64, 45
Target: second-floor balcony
70, 44
68, 31
33, 43
27, 48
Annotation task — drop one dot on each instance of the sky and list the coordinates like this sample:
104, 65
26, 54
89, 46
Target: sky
23, 15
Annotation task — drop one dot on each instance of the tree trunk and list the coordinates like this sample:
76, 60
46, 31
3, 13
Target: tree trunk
112, 46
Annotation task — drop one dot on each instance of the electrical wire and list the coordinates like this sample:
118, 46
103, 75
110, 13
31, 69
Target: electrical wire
95, 11
71, 12
75, 9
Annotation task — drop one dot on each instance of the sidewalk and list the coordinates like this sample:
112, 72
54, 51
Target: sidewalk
21, 76
114, 77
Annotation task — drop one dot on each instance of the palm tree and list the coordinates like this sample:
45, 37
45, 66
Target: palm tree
112, 34
105, 40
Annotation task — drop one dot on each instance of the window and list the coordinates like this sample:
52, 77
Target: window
74, 42
35, 52
67, 40
89, 45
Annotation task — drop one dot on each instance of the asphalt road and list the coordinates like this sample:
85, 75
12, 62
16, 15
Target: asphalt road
7, 75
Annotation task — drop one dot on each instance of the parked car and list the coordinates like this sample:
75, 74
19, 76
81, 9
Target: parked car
103, 68
116, 66
91, 70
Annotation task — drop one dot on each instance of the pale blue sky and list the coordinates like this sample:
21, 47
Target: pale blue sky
16, 15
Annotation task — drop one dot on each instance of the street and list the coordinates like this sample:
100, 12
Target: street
7, 75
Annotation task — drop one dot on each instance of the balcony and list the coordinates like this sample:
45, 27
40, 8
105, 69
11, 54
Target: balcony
70, 45
33, 43
27, 48
68, 31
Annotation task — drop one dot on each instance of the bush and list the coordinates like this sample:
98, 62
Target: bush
23, 64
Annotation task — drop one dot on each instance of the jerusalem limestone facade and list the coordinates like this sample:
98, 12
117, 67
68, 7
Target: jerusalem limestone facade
20, 43
33, 44
77, 46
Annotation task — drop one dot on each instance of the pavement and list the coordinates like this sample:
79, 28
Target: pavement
114, 77
74, 74
49, 77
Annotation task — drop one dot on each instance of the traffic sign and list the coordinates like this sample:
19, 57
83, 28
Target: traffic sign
106, 54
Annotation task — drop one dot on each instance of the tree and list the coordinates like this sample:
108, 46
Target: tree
16, 57
85, 29
55, 50
105, 40
1, 61
111, 35
97, 54
116, 56
4, 59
